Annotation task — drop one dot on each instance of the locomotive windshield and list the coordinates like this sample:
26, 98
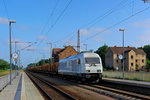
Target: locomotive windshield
92, 61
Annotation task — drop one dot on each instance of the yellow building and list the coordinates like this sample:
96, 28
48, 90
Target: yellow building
134, 58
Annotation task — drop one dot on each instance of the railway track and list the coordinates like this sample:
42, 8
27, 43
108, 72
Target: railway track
51, 92
111, 91
119, 91
116, 93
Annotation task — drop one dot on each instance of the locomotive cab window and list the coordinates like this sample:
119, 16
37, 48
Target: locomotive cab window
92, 61
78, 61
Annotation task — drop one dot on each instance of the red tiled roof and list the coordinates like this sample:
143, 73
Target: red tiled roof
118, 50
59, 50
138, 51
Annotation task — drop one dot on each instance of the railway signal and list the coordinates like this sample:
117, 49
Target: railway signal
15, 55
15, 59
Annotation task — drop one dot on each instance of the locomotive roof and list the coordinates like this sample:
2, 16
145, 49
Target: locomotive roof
89, 54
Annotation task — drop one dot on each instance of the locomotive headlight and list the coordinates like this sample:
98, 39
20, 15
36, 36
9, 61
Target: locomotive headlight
87, 70
98, 70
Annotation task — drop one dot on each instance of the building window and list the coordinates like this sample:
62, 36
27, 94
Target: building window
142, 60
121, 60
116, 61
136, 61
78, 61
131, 56
131, 64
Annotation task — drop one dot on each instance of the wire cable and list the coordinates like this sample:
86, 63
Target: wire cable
61, 14
98, 19
6, 10
51, 14
118, 23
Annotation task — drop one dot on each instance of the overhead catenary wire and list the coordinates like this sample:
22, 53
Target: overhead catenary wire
50, 16
57, 19
91, 22
38, 42
6, 10
118, 23
7, 14
52, 24
97, 19
107, 13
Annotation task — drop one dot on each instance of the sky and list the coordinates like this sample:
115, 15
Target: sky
40, 22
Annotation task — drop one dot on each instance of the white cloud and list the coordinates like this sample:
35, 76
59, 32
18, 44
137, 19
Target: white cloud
3, 20
85, 32
46, 48
42, 37
98, 39
144, 38
23, 27
143, 27
142, 24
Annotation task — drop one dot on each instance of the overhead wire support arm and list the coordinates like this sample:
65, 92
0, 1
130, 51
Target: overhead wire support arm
28, 46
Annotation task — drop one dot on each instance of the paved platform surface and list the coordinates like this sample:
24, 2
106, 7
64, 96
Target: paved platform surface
9, 91
29, 91
130, 82
22, 88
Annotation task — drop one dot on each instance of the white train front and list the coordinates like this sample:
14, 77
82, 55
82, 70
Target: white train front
84, 66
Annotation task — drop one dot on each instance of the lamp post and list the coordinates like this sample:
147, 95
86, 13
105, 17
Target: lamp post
121, 29
11, 21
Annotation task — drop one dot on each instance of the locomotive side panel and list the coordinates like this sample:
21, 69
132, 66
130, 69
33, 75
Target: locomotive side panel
91, 69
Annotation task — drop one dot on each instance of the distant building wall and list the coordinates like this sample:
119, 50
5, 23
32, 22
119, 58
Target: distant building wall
69, 51
133, 58
109, 59
60, 53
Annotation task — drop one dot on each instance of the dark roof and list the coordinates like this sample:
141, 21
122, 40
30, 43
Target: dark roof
138, 51
56, 50
118, 50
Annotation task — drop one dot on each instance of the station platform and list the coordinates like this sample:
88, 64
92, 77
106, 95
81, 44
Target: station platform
128, 82
21, 88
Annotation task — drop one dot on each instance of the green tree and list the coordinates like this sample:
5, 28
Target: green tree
39, 63
42, 62
146, 49
4, 64
148, 64
101, 52
32, 65
137, 67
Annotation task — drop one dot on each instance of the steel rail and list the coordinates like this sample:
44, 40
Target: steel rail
119, 92
43, 91
68, 96
122, 92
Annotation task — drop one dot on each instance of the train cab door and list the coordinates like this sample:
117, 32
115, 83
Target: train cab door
74, 65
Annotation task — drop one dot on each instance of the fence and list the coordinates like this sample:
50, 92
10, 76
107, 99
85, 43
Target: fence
4, 80
143, 76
